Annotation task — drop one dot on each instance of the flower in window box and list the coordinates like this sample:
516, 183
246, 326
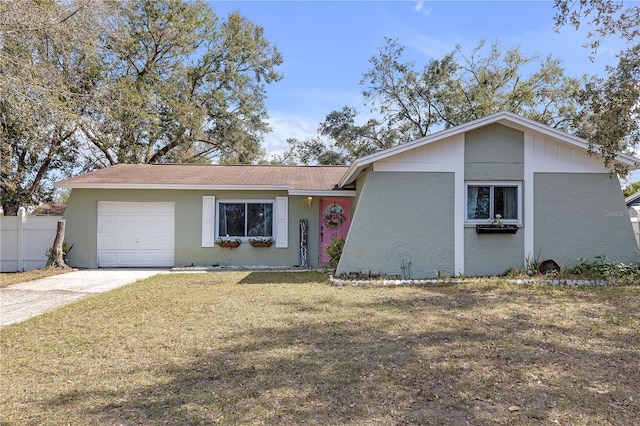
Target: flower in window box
261, 242
228, 242
497, 221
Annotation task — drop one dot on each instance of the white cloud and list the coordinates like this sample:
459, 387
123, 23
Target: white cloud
424, 10
285, 126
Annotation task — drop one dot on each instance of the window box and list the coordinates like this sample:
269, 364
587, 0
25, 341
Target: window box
261, 242
229, 243
496, 229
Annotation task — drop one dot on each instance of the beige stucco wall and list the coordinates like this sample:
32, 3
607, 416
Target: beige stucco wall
581, 215
398, 216
81, 215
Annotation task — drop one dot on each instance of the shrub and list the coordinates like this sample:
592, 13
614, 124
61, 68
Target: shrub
334, 250
602, 267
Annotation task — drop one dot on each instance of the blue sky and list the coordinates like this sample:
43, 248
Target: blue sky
326, 46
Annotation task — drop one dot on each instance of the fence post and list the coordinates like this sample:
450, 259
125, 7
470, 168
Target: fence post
21, 218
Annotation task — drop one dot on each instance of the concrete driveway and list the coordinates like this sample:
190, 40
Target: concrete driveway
20, 302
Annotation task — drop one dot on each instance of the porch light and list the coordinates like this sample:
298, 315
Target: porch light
309, 201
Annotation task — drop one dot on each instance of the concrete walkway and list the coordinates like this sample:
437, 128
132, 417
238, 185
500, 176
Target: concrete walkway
20, 302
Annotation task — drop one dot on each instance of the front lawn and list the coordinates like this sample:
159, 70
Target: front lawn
11, 278
288, 348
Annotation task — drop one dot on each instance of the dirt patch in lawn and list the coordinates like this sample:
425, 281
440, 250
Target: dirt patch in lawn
300, 351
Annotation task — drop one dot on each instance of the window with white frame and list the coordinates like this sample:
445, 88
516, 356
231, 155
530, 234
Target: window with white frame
488, 200
245, 219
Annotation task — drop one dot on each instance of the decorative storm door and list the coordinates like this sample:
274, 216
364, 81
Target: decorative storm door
335, 217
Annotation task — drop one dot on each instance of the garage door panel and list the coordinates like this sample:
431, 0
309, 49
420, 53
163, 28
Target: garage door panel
127, 242
162, 257
108, 258
127, 225
159, 241
152, 225
108, 224
105, 209
166, 209
136, 234
108, 241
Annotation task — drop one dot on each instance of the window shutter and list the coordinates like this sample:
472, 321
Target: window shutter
282, 222
208, 221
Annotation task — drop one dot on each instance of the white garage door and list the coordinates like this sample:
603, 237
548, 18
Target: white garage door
135, 234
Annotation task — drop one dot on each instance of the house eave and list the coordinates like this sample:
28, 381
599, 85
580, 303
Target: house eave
320, 193
171, 186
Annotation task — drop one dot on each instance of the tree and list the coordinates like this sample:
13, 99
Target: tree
610, 115
90, 83
631, 189
46, 58
409, 102
180, 87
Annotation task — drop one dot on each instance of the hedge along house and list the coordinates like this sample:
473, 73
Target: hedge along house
159, 215
422, 208
415, 210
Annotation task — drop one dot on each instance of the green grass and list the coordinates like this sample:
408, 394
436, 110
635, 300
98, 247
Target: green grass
287, 348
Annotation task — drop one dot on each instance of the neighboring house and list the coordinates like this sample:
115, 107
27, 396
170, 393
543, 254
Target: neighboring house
633, 206
633, 200
411, 210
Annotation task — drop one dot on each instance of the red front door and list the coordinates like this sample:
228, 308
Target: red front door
335, 217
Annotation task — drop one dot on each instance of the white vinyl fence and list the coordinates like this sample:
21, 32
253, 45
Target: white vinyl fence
24, 241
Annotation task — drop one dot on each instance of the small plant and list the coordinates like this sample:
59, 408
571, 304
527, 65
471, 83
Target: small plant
51, 255
228, 242
602, 267
532, 265
616, 320
334, 250
261, 242
441, 275
512, 272
497, 221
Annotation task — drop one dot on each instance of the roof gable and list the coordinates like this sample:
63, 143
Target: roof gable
504, 118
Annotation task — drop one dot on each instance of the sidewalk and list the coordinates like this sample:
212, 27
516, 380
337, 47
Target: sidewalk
20, 302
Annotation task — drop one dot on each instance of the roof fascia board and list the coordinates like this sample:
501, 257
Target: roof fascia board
61, 184
319, 193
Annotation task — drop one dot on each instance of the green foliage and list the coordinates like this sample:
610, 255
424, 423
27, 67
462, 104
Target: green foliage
183, 86
90, 84
46, 52
334, 250
512, 272
631, 189
532, 264
608, 118
51, 254
602, 267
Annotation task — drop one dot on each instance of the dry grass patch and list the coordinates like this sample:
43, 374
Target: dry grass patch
10, 278
276, 348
